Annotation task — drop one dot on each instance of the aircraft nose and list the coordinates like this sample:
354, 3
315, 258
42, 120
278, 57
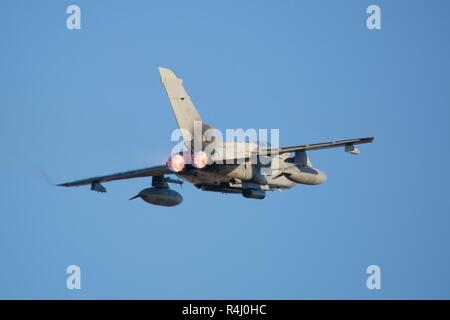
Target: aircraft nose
136, 196
321, 177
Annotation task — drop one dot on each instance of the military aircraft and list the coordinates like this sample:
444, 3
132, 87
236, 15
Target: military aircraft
250, 169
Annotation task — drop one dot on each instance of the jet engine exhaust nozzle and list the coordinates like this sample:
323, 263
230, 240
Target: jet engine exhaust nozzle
175, 163
199, 159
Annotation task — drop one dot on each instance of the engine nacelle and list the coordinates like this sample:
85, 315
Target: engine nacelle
160, 196
305, 175
242, 172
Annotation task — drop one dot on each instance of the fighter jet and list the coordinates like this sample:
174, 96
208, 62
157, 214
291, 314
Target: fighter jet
212, 164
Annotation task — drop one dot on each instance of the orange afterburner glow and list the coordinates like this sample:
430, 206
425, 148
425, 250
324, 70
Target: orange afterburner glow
199, 159
175, 163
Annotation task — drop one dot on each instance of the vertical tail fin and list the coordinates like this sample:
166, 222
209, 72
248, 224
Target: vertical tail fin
182, 106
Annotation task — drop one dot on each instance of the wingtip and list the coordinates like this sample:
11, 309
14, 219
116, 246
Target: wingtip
64, 184
166, 73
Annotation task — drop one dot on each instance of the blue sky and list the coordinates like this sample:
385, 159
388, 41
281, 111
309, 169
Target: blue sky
85, 102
